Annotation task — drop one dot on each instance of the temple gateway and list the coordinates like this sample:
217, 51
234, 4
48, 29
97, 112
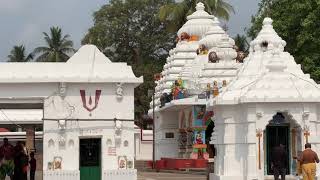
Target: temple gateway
249, 104
86, 106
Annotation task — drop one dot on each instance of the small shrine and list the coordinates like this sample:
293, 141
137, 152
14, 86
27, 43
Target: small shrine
87, 111
271, 102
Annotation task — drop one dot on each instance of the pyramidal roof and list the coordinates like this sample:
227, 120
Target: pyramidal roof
88, 64
185, 51
89, 54
270, 75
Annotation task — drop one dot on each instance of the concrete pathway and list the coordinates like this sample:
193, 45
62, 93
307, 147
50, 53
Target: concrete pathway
169, 176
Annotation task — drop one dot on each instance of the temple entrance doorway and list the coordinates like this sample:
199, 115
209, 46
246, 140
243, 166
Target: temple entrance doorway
277, 134
90, 159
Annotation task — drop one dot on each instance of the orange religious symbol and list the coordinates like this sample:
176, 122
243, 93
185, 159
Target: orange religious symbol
259, 135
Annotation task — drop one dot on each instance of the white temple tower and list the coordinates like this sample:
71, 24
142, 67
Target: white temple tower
270, 102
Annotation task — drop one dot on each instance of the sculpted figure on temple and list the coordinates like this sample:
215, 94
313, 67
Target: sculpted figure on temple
213, 57
208, 91
165, 98
240, 57
202, 50
215, 89
184, 36
224, 83
199, 138
177, 90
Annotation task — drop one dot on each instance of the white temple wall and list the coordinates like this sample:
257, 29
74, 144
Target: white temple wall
166, 125
82, 124
69, 151
108, 107
15, 91
237, 143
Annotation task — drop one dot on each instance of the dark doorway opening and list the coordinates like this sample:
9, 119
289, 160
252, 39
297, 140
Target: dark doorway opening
277, 134
90, 159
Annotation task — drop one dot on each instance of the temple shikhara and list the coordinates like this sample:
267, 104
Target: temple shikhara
215, 102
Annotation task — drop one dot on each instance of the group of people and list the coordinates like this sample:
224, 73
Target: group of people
14, 161
306, 162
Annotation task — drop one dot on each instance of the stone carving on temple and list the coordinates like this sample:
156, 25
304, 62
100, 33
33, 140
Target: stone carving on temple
184, 36
224, 83
213, 57
240, 56
62, 89
215, 89
178, 90
119, 91
208, 91
202, 50
165, 98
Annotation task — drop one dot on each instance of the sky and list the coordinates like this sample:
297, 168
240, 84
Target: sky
23, 21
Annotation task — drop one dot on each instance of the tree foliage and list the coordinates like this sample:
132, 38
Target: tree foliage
175, 14
18, 54
242, 43
130, 31
298, 24
57, 49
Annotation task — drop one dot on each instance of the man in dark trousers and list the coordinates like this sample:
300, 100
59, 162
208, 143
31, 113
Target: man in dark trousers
279, 161
33, 166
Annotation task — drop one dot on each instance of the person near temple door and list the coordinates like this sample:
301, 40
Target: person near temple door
279, 161
6, 157
33, 166
308, 160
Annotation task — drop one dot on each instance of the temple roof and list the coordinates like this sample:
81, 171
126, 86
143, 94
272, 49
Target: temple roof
270, 75
88, 64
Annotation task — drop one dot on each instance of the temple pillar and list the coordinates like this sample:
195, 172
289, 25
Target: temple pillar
30, 138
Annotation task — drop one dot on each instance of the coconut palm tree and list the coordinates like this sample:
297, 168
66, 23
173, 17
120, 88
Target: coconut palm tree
58, 47
175, 14
18, 54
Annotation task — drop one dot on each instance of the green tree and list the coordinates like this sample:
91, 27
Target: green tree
298, 24
57, 49
130, 31
18, 54
242, 43
175, 14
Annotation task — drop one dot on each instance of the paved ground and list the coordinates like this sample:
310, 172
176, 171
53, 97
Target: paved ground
169, 176
156, 176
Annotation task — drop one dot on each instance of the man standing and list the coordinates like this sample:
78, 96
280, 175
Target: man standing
7, 152
308, 160
279, 161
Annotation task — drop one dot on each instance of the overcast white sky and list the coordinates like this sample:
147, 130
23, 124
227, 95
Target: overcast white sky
23, 21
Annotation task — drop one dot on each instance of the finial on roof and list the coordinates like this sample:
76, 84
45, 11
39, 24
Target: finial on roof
200, 6
267, 21
267, 39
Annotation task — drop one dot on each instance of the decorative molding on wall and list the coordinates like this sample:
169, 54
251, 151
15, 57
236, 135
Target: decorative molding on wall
127, 174
61, 175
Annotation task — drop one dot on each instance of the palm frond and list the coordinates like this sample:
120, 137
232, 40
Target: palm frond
41, 50
57, 44
43, 57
